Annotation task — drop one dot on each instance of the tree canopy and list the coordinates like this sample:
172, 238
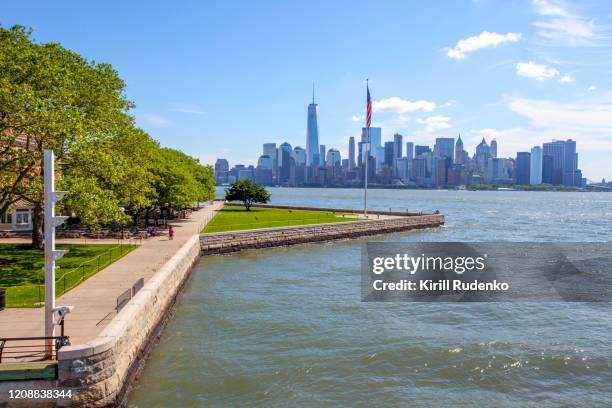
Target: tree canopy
247, 192
52, 98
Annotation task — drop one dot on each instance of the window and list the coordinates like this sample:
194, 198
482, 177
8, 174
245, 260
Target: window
6, 219
23, 217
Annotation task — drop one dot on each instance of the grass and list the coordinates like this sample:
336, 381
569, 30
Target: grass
21, 269
236, 218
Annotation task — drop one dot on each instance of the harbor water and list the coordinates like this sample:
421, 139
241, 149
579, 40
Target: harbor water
285, 327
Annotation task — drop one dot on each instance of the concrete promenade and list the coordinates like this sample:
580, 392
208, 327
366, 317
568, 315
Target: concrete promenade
95, 299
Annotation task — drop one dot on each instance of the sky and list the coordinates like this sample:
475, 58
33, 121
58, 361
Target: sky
220, 78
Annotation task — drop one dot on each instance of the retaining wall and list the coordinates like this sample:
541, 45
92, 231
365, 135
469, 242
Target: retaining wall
227, 242
98, 372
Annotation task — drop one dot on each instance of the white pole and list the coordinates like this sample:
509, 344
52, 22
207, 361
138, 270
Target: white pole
365, 190
49, 177
51, 255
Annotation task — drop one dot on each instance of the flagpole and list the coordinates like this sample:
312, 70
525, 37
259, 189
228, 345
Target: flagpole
367, 159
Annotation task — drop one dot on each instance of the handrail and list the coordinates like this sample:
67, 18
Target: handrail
26, 350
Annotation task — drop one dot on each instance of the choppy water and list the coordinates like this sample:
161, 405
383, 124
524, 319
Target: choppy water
285, 326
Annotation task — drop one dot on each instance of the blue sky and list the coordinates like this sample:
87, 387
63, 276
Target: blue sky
219, 79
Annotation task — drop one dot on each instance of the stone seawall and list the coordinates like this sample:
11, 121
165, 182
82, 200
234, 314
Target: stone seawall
337, 210
227, 242
98, 372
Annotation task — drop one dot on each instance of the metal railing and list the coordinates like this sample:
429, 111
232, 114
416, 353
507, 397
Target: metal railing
35, 349
128, 294
34, 295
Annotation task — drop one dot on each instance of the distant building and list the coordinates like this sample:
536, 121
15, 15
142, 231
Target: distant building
221, 171
263, 172
535, 175
494, 148
409, 151
498, 171
547, 169
523, 168
445, 147
322, 155
312, 132
397, 145
351, 158
482, 156
285, 163
389, 155
402, 166
564, 162
299, 155
333, 158
380, 156
419, 150
375, 136
459, 151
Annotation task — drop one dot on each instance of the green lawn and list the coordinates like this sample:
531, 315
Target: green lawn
235, 218
21, 269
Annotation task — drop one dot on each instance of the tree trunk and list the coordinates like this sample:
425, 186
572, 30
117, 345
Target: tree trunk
147, 212
37, 227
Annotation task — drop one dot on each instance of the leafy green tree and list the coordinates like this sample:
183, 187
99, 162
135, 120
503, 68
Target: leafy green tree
247, 192
51, 98
180, 180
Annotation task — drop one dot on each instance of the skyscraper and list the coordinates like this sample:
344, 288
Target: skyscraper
535, 175
459, 151
445, 147
221, 171
570, 165
389, 153
351, 158
494, 148
409, 151
556, 150
375, 136
333, 158
322, 155
312, 131
420, 149
523, 168
397, 145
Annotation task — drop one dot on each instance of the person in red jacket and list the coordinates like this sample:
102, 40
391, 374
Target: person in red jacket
171, 232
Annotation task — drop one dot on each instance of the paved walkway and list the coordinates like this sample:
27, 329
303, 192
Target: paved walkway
95, 299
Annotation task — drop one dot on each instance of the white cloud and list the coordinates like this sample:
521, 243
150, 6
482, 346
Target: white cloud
187, 108
566, 79
535, 71
435, 123
398, 105
592, 117
156, 120
592, 88
562, 26
356, 118
482, 40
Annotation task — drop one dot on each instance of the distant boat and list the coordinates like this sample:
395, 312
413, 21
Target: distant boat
506, 189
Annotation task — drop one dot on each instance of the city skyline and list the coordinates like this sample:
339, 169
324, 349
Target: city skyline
448, 164
522, 72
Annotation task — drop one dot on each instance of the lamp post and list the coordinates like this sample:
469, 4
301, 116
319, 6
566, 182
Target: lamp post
51, 254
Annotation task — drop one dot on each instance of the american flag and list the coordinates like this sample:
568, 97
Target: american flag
368, 109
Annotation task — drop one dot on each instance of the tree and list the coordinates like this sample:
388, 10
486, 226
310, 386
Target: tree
247, 192
52, 98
